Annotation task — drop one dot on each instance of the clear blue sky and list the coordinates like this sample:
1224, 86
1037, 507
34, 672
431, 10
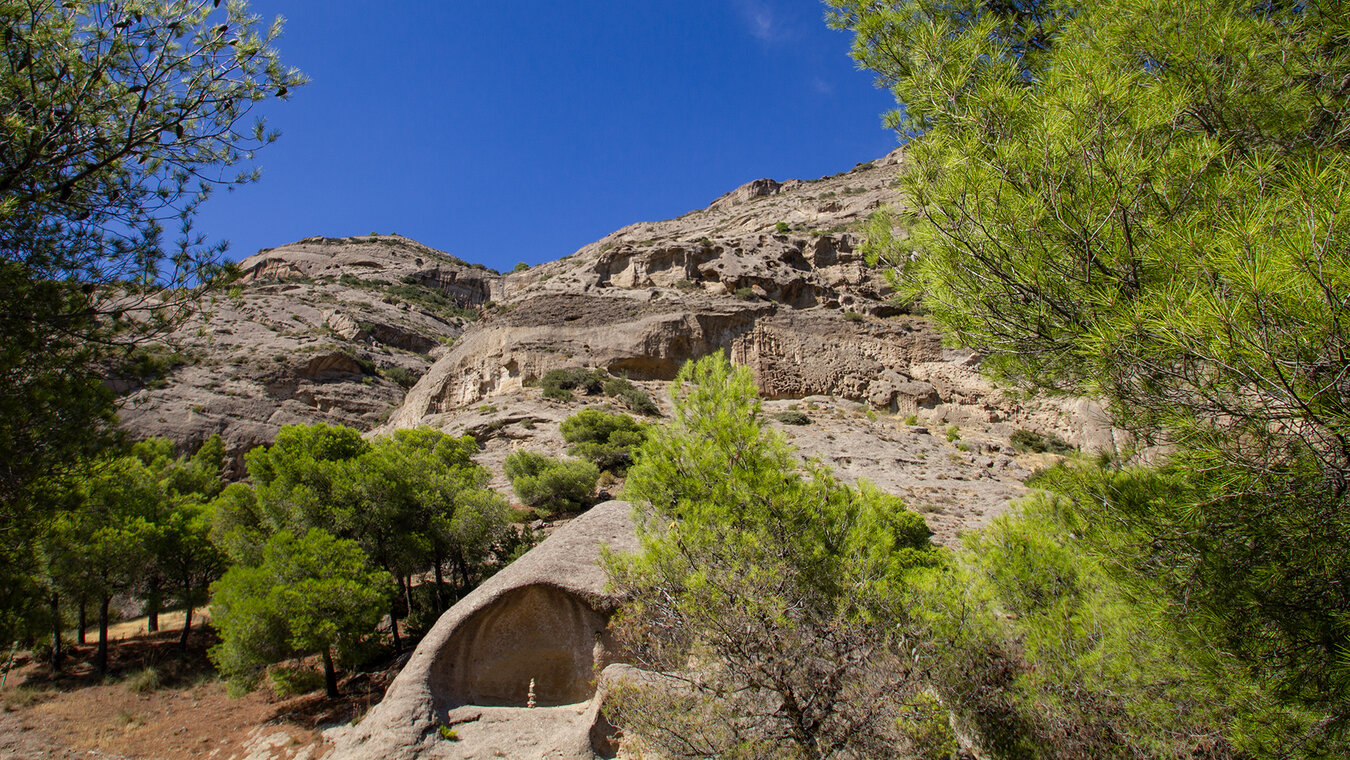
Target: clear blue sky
520, 130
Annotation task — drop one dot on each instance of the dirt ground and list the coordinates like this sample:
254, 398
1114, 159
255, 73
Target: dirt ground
159, 704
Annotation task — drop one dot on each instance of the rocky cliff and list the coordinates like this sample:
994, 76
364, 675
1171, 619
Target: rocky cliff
771, 273
325, 329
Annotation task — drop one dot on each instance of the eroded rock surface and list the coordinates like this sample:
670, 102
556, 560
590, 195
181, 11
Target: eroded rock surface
542, 618
326, 329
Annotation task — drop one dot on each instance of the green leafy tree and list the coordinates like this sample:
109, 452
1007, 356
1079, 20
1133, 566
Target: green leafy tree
106, 536
606, 439
1146, 200
312, 594
767, 592
460, 521
1041, 647
118, 118
413, 501
182, 556
295, 478
549, 483
416, 500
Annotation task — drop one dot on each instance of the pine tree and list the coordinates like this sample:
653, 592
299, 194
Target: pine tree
1147, 200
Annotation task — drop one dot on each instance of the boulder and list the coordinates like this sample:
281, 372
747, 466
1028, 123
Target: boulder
541, 622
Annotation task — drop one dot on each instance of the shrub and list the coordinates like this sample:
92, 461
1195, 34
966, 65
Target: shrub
853, 316
520, 267
953, 433
912, 420
151, 365
782, 228
633, 397
401, 376
605, 439
745, 294
793, 417
551, 485
559, 383
292, 682
1025, 441
143, 681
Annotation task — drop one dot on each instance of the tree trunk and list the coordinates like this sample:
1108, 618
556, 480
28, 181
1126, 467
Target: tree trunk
463, 575
101, 660
152, 600
55, 602
84, 621
329, 674
407, 593
186, 628
393, 626
440, 597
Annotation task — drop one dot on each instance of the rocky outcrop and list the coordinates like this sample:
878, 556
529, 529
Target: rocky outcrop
326, 329
541, 621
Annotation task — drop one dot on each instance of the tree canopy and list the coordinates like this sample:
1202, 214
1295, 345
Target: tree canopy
769, 592
311, 594
1147, 200
118, 119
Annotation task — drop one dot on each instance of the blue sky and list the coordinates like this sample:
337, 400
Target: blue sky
521, 130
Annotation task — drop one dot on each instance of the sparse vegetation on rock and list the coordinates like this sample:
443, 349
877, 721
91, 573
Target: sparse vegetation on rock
606, 440
1024, 440
549, 484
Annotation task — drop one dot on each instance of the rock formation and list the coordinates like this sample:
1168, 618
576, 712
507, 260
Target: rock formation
326, 329
536, 631
772, 273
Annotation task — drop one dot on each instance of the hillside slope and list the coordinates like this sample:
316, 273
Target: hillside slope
335, 329
325, 329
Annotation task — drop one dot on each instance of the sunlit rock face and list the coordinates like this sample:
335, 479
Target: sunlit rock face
542, 620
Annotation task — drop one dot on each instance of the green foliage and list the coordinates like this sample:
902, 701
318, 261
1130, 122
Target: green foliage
428, 298
402, 376
292, 682
760, 583
447, 733
559, 383
1040, 644
912, 420
116, 121
853, 316
1024, 441
311, 594
1146, 200
520, 267
551, 485
151, 365
413, 502
635, 398
607, 440
782, 228
745, 294
793, 417
953, 433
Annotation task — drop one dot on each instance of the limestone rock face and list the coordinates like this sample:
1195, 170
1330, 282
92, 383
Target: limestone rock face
542, 620
326, 329
769, 273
